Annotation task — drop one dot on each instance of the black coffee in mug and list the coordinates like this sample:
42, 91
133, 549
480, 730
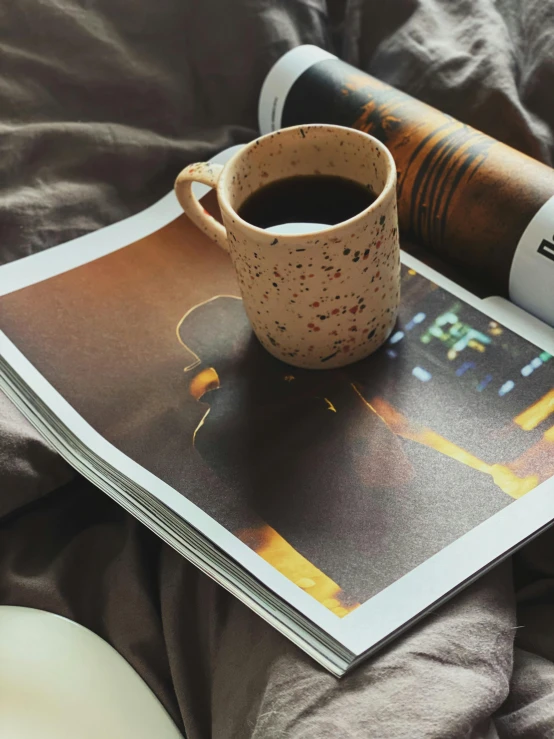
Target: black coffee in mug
318, 198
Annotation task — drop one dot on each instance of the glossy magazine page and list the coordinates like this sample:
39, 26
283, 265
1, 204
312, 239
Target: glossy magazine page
360, 496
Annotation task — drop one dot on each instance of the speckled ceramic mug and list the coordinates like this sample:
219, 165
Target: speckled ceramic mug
315, 300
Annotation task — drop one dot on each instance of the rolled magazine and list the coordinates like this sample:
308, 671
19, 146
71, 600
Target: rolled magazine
478, 203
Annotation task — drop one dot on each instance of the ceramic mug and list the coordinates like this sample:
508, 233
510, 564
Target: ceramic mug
320, 299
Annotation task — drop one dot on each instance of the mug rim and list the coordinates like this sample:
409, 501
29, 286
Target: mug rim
390, 183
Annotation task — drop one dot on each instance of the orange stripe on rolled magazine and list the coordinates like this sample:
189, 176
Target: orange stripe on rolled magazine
461, 194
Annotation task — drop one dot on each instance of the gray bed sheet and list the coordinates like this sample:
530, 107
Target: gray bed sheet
101, 103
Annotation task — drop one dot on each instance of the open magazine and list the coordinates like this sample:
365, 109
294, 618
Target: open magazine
339, 505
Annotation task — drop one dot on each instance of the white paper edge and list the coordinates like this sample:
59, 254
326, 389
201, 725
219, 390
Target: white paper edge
280, 78
531, 274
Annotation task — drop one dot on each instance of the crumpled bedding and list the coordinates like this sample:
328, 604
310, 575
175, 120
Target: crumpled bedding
101, 103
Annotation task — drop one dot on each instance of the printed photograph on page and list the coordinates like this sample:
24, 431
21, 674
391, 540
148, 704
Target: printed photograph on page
342, 480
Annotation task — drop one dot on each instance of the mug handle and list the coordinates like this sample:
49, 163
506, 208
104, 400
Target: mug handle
207, 174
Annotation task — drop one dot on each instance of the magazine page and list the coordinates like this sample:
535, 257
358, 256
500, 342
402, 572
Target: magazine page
460, 193
361, 496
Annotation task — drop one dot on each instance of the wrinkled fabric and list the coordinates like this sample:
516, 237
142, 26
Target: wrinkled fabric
101, 104
29, 467
224, 673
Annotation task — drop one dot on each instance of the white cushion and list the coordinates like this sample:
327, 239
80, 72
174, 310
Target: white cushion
58, 680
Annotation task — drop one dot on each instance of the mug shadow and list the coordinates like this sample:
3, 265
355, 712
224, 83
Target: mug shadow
304, 449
